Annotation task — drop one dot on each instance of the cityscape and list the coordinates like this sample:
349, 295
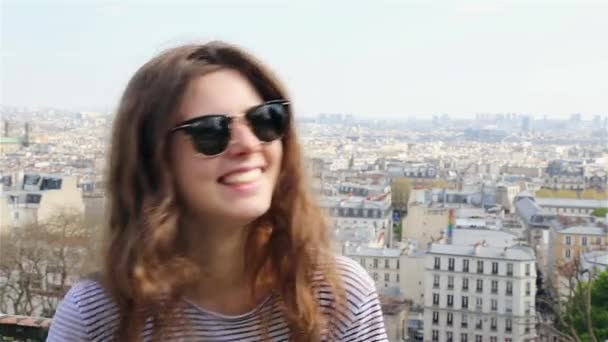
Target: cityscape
487, 228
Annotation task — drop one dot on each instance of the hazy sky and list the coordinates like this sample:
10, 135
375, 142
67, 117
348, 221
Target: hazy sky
387, 58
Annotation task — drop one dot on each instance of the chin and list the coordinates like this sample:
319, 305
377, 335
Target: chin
248, 212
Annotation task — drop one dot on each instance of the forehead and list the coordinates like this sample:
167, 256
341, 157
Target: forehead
224, 91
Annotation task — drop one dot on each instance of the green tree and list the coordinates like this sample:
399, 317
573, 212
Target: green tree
400, 192
600, 212
586, 311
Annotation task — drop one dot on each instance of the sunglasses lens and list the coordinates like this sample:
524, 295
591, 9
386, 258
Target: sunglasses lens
270, 121
210, 135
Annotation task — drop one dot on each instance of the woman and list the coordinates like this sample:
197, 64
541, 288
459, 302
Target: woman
212, 234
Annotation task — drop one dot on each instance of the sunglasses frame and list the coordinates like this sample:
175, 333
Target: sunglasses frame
184, 126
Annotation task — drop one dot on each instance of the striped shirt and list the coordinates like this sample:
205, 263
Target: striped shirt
87, 313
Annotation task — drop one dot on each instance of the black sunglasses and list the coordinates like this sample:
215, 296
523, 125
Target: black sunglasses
211, 133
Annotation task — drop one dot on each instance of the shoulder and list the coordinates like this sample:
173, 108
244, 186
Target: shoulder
360, 319
86, 311
356, 284
354, 277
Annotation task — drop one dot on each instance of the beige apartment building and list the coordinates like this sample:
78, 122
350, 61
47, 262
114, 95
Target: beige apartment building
568, 246
424, 223
29, 197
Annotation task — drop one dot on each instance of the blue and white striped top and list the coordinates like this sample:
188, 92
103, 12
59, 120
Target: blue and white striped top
87, 313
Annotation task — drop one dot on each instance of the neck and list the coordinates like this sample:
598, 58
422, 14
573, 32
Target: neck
219, 251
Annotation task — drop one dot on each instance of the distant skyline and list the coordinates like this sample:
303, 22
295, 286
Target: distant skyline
385, 58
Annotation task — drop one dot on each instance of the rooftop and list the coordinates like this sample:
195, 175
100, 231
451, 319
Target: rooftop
572, 203
518, 253
363, 251
584, 230
493, 238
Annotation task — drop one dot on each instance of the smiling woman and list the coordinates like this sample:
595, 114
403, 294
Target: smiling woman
213, 234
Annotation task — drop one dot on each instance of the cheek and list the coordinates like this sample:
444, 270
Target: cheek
276, 155
189, 169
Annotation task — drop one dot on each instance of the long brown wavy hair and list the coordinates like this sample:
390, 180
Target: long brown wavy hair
145, 271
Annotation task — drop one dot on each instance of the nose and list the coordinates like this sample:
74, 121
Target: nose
242, 138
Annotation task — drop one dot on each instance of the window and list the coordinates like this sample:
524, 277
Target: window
494, 306
528, 307
375, 263
527, 288
435, 335
450, 283
479, 324
568, 240
33, 198
568, 253
527, 269
387, 276
584, 241
435, 317
465, 265
448, 336
450, 319
450, 301
397, 277
508, 305
527, 327
478, 338
494, 268
464, 321
436, 281
479, 285
493, 324
464, 337
465, 284
478, 303
386, 263
479, 266
508, 340
437, 263
465, 302
397, 263
508, 327
450, 264
509, 288
375, 276
494, 286
509, 269
435, 299
493, 339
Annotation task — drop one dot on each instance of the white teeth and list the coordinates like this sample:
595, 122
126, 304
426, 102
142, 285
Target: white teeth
242, 177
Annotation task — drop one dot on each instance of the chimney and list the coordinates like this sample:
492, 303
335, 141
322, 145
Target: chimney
26, 138
477, 248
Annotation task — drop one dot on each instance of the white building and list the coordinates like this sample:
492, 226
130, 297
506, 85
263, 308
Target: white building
376, 215
477, 293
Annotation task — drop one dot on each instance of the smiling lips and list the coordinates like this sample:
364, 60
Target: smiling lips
241, 177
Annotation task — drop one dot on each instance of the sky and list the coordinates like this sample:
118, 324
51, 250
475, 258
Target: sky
374, 58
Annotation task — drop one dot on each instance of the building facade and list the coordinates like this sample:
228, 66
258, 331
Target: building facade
477, 293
